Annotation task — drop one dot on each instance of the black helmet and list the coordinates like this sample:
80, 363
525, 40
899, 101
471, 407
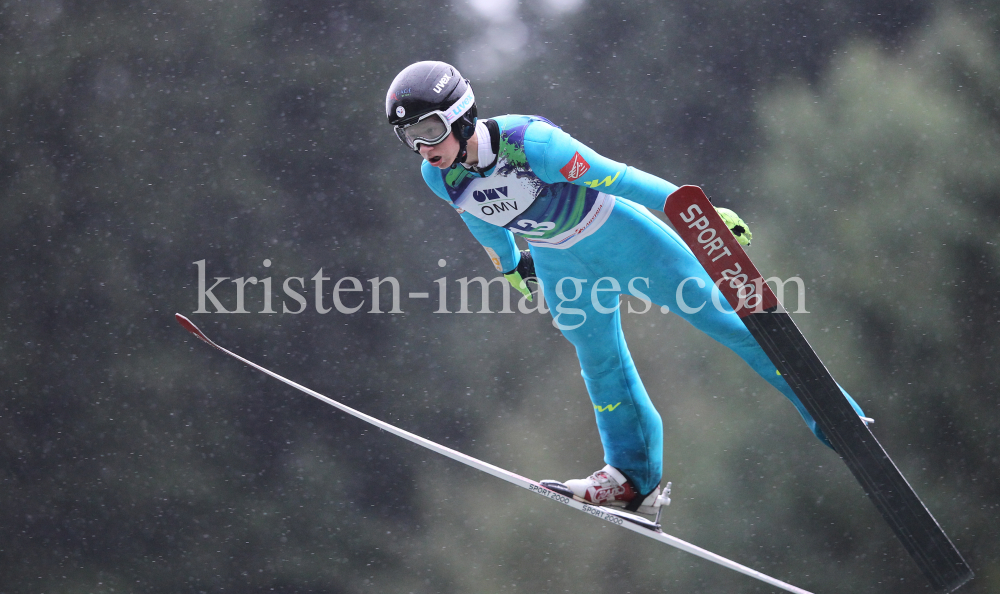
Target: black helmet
436, 95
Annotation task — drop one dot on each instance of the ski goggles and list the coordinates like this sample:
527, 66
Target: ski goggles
434, 126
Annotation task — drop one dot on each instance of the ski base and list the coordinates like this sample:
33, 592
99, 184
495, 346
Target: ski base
623, 519
701, 228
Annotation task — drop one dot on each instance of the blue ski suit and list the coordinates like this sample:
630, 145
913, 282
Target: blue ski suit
582, 217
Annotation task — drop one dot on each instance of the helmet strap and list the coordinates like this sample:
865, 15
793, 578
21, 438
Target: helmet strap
463, 152
460, 128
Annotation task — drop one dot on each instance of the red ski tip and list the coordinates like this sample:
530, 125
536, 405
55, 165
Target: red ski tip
190, 327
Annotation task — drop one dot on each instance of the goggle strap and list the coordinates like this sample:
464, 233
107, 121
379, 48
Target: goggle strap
458, 108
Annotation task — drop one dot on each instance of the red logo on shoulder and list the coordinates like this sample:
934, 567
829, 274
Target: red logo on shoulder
575, 169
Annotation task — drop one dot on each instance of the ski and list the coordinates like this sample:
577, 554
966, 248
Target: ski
614, 516
728, 265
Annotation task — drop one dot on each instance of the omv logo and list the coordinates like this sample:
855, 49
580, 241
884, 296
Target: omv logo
490, 194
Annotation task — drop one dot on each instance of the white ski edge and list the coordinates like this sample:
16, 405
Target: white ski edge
607, 514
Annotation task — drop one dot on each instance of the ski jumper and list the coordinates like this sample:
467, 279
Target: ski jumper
591, 239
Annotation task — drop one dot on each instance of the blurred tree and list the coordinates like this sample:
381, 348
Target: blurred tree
142, 137
880, 186
672, 87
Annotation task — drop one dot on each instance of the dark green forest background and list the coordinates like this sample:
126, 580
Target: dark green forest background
859, 138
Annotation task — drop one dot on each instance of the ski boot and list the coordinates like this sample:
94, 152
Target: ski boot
609, 487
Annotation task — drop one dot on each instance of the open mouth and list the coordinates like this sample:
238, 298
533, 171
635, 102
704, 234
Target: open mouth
434, 160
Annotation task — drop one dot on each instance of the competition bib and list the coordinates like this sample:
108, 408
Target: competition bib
498, 199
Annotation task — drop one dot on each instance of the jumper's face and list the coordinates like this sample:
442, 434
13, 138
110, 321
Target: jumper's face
442, 154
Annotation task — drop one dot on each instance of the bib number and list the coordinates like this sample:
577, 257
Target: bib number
526, 226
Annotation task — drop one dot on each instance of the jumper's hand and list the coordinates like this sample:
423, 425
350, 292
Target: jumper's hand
740, 229
519, 277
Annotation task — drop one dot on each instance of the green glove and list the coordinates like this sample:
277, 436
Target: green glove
525, 270
740, 229
514, 278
